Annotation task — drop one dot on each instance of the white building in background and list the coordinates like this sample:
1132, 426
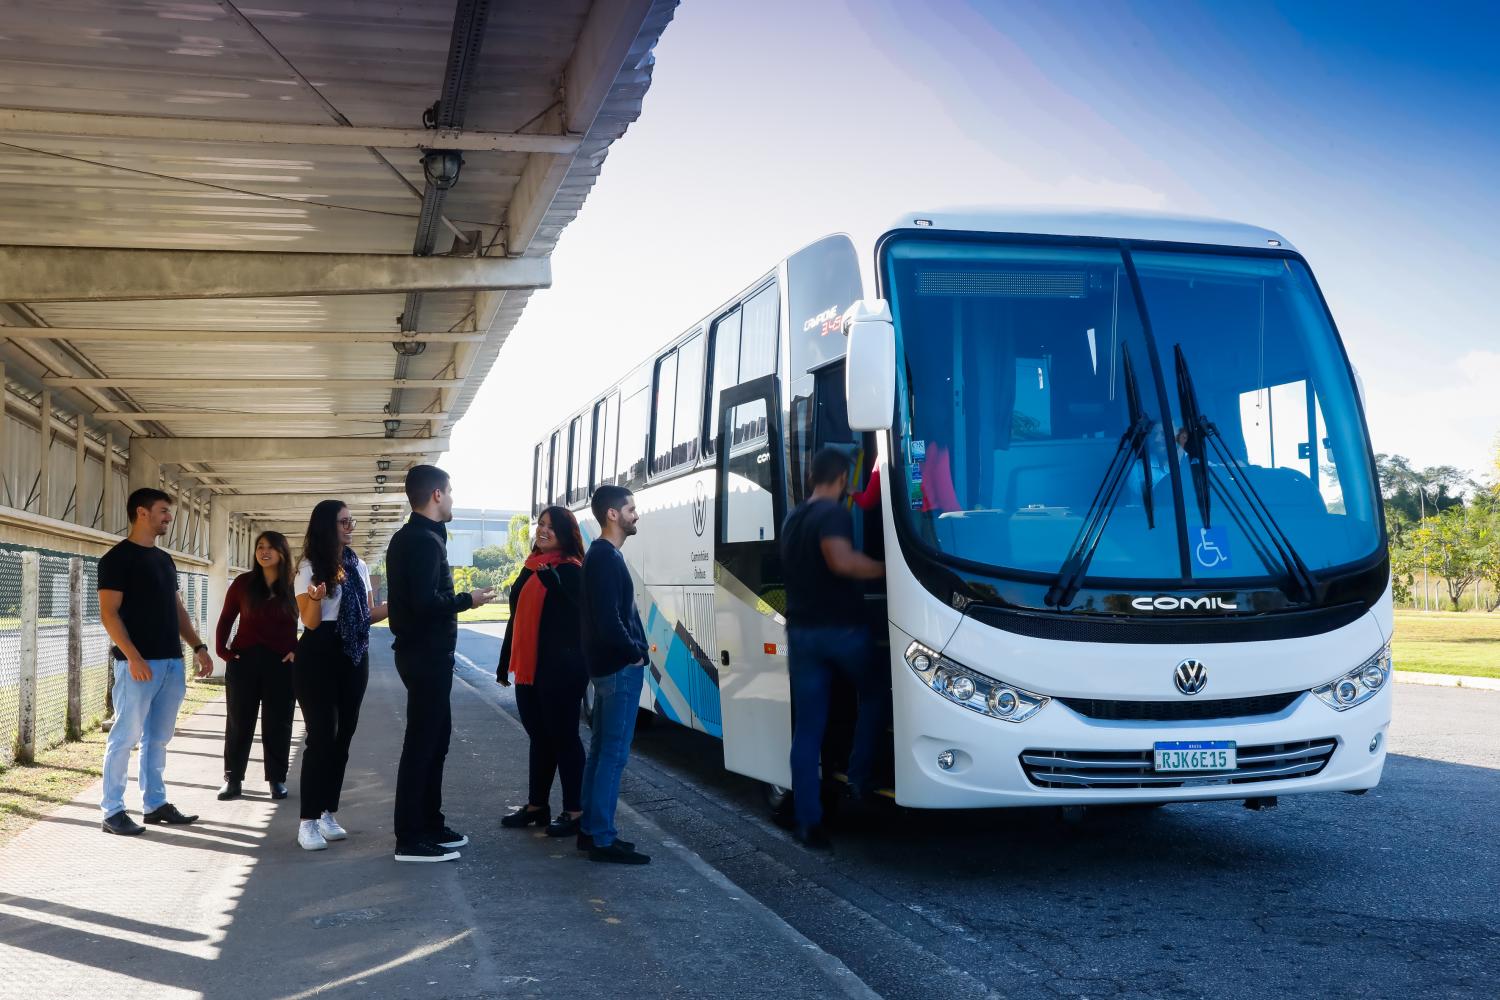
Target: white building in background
472, 529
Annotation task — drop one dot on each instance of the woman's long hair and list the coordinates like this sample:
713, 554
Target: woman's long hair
281, 590
565, 527
322, 547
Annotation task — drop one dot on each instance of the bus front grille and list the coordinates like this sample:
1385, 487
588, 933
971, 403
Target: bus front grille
1133, 768
1187, 710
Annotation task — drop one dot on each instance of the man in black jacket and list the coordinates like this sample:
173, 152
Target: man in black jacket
424, 620
614, 647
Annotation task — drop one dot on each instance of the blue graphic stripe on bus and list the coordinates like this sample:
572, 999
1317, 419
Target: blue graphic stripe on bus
674, 658
659, 697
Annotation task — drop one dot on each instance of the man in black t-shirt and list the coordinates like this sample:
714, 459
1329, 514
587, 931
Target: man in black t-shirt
827, 636
147, 623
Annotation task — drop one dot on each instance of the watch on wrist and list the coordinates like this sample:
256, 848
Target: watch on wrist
202, 647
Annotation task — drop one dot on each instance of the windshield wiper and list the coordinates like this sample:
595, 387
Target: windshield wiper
1107, 496
1202, 435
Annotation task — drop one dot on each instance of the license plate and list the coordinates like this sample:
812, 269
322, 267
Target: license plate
1195, 755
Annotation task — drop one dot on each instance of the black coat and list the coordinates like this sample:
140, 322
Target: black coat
559, 655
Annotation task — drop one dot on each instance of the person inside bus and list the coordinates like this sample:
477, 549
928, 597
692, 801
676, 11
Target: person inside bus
544, 651
827, 637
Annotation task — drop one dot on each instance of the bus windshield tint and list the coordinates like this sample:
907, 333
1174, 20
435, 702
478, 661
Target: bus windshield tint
1013, 404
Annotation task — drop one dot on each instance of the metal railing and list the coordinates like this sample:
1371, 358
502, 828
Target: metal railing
55, 670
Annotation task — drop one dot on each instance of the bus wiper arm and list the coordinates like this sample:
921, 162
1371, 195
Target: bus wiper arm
1107, 496
1203, 434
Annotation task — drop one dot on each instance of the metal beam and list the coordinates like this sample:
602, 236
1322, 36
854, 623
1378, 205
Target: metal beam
167, 416
159, 128
603, 46
231, 338
190, 384
177, 450
102, 274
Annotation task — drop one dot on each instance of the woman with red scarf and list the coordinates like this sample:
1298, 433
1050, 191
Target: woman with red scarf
543, 649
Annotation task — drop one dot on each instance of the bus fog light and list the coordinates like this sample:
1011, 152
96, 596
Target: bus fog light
1359, 685
1375, 743
971, 689
945, 760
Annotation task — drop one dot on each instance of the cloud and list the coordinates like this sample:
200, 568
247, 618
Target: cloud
1451, 419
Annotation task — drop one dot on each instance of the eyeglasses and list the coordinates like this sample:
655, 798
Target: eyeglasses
346, 522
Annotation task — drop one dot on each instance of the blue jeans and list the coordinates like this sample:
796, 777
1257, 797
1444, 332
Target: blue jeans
817, 654
145, 711
616, 699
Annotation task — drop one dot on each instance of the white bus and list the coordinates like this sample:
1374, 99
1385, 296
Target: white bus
1134, 544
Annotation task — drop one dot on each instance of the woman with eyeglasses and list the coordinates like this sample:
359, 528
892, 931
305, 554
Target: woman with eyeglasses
258, 665
332, 668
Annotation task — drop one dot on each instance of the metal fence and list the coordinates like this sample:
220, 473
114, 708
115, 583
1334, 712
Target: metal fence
43, 636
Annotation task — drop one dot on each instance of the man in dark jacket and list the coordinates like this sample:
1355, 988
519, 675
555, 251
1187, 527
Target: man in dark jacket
614, 647
424, 620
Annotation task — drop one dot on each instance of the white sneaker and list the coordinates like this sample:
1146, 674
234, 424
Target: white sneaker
329, 827
310, 837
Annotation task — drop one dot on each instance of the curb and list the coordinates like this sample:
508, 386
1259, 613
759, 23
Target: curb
1447, 680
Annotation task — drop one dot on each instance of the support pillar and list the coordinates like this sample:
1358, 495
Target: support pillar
44, 482
144, 468
82, 515
26, 690
109, 515
219, 537
75, 647
4, 398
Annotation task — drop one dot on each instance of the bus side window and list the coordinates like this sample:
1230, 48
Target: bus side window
689, 415
634, 418
724, 372
555, 473
538, 482
801, 431
661, 416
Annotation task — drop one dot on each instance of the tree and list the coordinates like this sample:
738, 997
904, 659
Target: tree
490, 557
1453, 542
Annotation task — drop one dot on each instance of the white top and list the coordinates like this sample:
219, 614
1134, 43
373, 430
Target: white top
1110, 225
335, 594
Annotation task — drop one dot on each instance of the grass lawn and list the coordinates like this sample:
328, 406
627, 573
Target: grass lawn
1447, 642
498, 611
28, 793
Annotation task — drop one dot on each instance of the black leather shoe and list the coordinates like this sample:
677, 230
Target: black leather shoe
278, 790
525, 816
586, 842
813, 837
121, 823
617, 853
229, 790
168, 814
563, 826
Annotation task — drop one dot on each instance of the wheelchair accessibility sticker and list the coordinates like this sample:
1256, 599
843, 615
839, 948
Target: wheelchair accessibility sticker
1212, 550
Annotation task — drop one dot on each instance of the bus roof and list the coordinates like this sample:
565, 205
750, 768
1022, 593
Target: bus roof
1104, 224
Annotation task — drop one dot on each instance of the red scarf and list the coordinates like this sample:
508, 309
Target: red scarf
526, 623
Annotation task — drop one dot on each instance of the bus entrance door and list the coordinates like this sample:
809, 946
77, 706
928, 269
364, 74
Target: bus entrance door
749, 591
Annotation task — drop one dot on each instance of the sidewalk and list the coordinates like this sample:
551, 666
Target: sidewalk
231, 907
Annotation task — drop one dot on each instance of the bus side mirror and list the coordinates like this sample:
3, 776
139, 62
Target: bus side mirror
870, 365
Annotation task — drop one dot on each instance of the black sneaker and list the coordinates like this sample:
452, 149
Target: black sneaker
168, 814
563, 826
120, 823
619, 854
586, 842
425, 851
450, 838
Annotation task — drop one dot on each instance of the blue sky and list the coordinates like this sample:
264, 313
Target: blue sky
1365, 133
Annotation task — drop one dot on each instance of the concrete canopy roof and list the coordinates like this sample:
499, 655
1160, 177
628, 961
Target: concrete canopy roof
215, 220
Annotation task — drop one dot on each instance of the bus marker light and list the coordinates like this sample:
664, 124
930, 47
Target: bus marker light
769, 648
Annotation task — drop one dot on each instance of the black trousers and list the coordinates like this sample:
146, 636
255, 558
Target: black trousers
550, 713
330, 688
258, 683
428, 676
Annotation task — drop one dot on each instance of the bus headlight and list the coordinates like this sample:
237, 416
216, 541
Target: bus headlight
1358, 685
971, 689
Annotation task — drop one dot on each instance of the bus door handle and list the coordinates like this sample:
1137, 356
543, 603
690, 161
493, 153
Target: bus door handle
724, 657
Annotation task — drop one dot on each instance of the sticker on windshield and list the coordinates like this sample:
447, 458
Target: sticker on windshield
1212, 550
918, 449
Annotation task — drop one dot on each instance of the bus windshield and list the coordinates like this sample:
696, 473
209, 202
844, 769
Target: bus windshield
1013, 404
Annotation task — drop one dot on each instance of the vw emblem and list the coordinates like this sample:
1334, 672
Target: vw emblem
700, 508
1191, 676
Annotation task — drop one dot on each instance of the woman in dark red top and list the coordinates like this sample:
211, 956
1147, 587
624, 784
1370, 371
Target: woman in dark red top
258, 673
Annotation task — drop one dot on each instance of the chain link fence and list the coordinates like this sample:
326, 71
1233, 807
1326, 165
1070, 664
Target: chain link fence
54, 605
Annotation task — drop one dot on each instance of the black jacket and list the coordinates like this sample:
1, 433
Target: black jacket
612, 634
423, 608
559, 653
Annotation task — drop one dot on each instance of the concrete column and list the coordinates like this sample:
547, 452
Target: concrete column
219, 548
110, 515
30, 579
144, 468
82, 513
44, 483
4, 398
75, 648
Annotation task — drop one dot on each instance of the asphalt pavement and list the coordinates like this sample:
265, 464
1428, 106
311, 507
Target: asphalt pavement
1392, 894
